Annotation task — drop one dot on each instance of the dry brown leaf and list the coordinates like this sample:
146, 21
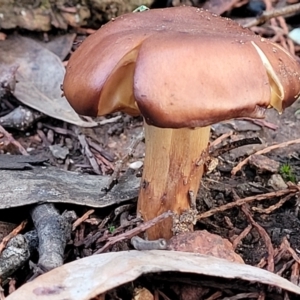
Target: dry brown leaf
91, 276
39, 77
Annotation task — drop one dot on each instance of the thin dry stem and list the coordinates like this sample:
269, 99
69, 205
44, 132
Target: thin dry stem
269, 14
263, 151
240, 202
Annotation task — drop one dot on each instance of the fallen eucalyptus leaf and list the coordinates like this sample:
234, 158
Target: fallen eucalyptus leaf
60, 45
39, 77
86, 278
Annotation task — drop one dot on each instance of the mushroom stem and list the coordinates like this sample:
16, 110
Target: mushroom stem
171, 172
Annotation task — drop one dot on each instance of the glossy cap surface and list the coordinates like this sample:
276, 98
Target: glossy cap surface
180, 67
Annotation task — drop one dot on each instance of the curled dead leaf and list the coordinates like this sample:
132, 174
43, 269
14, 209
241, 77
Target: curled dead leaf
91, 276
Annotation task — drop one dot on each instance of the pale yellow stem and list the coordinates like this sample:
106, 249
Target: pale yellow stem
170, 172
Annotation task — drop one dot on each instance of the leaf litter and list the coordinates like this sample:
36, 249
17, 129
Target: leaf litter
39, 76
223, 202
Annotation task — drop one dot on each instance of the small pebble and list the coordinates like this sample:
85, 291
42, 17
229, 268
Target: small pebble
58, 151
264, 164
136, 165
277, 182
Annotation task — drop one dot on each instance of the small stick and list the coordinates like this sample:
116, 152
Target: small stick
13, 141
264, 236
214, 296
82, 219
60, 130
267, 15
295, 278
286, 266
244, 296
2, 296
262, 296
220, 139
273, 207
262, 232
88, 153
15, 255
54, 230
120, 163
241, 236
12, 285
261, 123
263, 151
133, 232
240, 202
99, 149
291, 250
236, 144
12, 234
109, 121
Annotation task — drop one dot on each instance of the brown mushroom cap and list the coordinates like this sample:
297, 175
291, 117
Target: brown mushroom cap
180, 67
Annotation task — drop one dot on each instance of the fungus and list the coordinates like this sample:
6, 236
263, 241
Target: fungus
183, 69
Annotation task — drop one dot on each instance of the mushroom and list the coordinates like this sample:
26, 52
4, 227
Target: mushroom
183, 69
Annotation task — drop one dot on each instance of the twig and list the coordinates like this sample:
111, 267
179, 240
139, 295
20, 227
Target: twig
267, 15
2, 296
214, 296
82, 219
240, 202
286, 266
264, 236
98, 148
261, 123
236, 144
60, 130
13, 141
220, 139
88, 153
262, 296
273, 207
295, 273
243, 296
12, 234
133, 232
291, 250
263, 151
241, 236
12, 285
109, 121
15, 255
120, 163
54, 230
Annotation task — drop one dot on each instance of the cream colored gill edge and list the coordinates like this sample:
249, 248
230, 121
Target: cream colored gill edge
277, 92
